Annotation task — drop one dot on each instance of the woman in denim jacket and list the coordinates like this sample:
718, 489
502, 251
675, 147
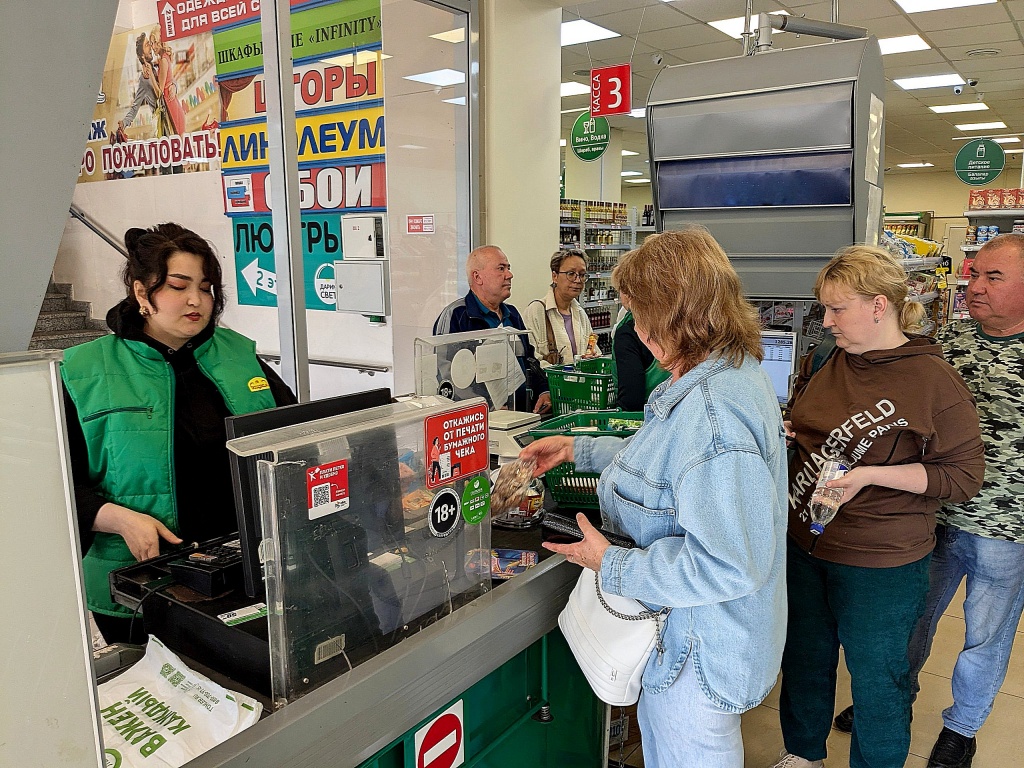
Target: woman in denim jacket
702, 490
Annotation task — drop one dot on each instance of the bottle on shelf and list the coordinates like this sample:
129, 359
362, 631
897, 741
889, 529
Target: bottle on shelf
825, 501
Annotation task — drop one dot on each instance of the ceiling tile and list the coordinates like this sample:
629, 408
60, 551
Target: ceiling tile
626, 18
980, 36
1016, 8
680, 37
959, 53
958, 18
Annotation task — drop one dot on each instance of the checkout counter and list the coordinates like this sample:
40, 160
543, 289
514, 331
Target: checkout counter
488, 681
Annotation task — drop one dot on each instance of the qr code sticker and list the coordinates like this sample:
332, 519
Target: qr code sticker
321, 494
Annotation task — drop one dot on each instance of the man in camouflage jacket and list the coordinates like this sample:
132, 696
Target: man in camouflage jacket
983, 539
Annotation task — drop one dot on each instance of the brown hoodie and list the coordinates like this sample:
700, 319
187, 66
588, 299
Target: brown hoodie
885, 407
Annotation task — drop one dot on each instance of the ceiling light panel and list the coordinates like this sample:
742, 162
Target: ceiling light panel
1006, 139
439, 77
902, 44
980, 126
572, 88
630, 173
915, 165
920, 6
975, 106
928, 81
583, 31
637, 181
629, 153
452, 35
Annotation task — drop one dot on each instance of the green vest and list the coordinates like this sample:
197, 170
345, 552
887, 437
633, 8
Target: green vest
654, 374
124, 393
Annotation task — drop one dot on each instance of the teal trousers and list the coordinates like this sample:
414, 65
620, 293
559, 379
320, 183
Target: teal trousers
871, 612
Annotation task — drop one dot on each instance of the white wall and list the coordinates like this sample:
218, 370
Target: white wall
521, 116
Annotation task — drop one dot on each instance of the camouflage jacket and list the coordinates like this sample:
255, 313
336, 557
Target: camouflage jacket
993, 369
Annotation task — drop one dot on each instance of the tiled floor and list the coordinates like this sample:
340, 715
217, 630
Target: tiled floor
1000, 741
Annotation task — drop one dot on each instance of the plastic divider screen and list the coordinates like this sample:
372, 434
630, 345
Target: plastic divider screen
377, 523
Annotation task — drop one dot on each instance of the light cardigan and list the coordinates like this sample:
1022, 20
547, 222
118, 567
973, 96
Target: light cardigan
581, 328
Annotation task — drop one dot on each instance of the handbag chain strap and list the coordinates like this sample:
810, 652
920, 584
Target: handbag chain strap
658, 616
642, 616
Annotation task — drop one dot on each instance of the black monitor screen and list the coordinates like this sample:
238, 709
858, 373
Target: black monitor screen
244, 478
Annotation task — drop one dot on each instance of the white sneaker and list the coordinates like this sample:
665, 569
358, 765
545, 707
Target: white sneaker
786, 760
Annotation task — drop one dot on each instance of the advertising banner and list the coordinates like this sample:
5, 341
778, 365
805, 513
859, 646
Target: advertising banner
319, 31
182, 18
157, 111
256, 270
336, 82
348, 189
334, 136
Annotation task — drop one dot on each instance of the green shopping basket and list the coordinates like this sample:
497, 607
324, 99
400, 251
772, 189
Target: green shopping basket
579, 489
587, 386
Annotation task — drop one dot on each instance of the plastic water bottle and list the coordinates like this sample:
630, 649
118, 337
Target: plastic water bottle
825, 501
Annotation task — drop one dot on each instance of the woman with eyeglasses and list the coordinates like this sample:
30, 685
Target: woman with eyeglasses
559, 327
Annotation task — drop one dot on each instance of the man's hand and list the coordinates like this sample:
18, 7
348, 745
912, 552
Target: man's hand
543, 404
142, 533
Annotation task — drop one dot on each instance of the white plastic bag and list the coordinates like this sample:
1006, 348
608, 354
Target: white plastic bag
161, 714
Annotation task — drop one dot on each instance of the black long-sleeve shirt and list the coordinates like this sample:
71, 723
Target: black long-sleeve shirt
632, 359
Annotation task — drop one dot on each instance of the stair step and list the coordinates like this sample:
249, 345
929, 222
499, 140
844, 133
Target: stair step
63, 339
54, 302
62, 320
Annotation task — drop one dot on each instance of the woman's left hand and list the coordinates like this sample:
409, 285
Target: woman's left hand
588, 552
852, 482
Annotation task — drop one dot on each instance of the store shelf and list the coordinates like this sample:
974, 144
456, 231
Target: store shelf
959, 315
970, 248
962, 281
607, 247
615, 227
924, 298
922, 262
646, 229
983, 213
598, 303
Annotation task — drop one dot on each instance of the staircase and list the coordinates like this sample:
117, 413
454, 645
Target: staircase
64, 322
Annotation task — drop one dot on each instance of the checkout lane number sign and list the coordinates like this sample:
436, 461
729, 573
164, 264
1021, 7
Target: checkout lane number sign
440, 743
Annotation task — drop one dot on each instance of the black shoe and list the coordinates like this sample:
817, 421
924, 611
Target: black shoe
844, 720
952, 750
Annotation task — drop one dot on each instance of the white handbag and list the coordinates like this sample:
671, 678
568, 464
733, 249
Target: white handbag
612, 637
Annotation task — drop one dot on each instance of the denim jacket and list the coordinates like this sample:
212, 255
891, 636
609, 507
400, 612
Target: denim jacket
702, 489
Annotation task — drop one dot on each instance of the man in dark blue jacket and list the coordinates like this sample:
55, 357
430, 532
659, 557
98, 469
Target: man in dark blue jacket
490, 285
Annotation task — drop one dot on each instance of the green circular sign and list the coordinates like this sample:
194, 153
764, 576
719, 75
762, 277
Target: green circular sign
589, 137
476, 499
979, 162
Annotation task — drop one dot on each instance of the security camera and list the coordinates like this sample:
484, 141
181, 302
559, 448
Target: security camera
972, 82
657, 58
958, 89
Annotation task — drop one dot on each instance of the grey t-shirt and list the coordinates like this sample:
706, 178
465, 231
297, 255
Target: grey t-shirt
993, 369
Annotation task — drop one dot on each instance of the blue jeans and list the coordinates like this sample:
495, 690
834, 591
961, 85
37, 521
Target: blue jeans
995, 595
681, 728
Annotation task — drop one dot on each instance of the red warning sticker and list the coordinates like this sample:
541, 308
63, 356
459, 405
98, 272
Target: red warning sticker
327, 489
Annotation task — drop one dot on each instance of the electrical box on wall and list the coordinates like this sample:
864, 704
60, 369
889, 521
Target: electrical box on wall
363, 287
364, 236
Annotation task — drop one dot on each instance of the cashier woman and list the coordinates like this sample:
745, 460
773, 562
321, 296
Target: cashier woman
145, 413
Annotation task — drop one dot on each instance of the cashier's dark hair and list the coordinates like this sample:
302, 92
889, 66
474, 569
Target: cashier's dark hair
685, 294
149, 250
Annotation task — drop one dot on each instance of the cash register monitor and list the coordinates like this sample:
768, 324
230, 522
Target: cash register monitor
244, 477
780, 356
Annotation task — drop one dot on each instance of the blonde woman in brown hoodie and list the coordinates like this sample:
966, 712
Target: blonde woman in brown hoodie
888, 401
